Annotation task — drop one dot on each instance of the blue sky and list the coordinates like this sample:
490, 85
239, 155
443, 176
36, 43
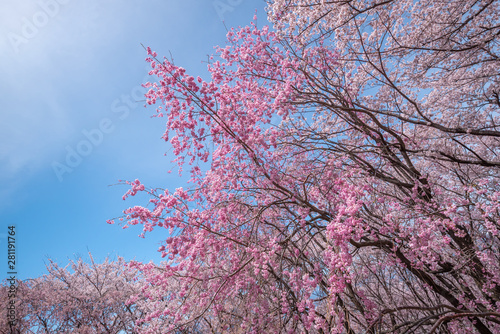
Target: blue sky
70, 75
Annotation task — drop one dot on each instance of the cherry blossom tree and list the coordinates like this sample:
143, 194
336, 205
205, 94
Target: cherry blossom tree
344, 174
80, 298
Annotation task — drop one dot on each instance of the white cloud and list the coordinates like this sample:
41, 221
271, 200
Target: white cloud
49, 52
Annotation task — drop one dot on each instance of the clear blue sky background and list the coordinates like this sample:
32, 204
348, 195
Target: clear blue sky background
67, 67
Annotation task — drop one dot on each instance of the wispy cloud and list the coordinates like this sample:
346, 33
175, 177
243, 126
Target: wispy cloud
48, 53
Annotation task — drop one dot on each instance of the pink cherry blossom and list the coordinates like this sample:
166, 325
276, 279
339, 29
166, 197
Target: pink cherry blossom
344, 174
